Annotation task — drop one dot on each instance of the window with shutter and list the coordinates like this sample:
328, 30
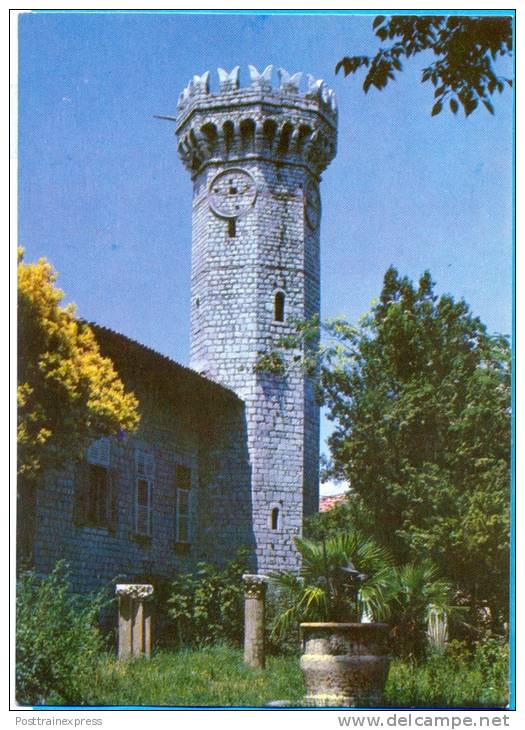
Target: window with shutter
98, 502
182, 505
145, 468
93, 495
81, 496
113, 499
99, 452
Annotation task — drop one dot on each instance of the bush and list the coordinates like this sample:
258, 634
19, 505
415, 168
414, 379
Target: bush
277, 640
492, 657
57, 641
208, 605
415, 591
462, 677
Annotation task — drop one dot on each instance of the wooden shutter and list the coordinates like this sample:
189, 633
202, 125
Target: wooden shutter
145, 473
183, 505
143, 507
183, 477
149, 466
99, 452
191, 508
81, 493
112, 507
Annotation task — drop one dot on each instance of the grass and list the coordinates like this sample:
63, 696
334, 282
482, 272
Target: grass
442, 682
216, 676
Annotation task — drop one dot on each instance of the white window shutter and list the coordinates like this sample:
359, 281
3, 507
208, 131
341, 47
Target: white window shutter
183, 516
143, 521
191, 497
145, 464
145, 472
149, 466
99, 452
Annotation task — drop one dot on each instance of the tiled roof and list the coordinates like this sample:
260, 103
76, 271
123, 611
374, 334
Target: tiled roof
124, 351
328, 502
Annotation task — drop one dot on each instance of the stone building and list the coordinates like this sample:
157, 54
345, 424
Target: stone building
227, 452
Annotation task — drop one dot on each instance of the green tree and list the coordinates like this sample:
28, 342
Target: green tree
67, 392
420, 397
465, 49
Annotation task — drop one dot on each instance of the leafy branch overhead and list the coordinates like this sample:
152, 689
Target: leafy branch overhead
466, 50
68, 392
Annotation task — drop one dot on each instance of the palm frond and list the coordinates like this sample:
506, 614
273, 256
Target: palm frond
287, 621
314, 604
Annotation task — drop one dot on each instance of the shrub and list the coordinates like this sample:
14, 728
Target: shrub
279, 640
462, 677
208, 605
414, 593
491, 656
57, 640
271, 362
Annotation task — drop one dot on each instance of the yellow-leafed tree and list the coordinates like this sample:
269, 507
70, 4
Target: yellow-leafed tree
68, 392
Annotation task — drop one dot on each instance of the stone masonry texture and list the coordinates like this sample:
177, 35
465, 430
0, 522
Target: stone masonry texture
262, 150
249, 439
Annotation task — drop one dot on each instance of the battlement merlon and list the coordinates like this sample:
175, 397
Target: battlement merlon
258, 121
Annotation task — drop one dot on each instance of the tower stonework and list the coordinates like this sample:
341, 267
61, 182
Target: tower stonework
256, 155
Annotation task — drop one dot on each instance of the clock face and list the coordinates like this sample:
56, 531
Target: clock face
312, 204
232, 193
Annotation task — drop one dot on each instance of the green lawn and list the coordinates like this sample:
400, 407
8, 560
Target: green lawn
216, 676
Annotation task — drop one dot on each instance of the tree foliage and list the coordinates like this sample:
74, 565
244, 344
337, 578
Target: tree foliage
466, 49
420, 397
68, 393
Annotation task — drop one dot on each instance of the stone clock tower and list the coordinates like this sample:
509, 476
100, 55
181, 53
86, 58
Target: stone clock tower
255, 156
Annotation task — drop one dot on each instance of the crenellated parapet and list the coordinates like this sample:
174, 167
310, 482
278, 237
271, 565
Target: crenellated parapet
279, 122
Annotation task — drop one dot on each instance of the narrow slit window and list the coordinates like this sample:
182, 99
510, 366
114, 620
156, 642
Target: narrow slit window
232, 228
279, 307
275, 518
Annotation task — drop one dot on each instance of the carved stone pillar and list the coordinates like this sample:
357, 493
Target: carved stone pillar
134, 620
254, 594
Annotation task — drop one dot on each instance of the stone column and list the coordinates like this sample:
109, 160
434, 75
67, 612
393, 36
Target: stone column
254, 593
134, 620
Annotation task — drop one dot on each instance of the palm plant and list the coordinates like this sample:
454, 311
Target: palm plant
415, 594
322, 592
406, 596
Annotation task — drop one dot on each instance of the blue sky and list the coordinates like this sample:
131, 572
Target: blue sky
104, 197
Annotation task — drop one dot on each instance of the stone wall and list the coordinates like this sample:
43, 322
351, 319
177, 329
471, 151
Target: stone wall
255, 156
202, 428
